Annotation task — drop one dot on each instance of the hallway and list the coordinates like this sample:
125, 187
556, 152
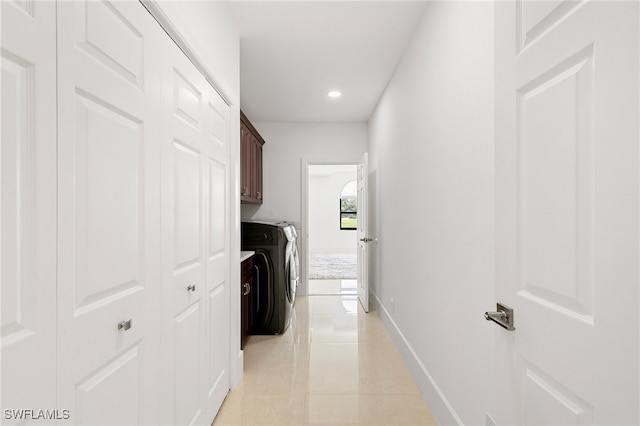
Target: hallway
334, 365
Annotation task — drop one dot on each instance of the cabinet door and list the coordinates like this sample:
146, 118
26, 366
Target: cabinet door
252, 168
28, 214
247, 305
251, 165
108, 198
257, 169
246, 152
244, 293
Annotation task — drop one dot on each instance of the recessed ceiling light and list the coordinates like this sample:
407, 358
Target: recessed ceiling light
334, 94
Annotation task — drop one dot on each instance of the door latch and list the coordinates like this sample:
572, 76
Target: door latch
503, 316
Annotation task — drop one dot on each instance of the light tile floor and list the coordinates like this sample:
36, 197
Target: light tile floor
317, 287
335, 365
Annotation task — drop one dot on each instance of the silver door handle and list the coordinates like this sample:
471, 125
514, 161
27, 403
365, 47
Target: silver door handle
503, 316
124, 325
366, 240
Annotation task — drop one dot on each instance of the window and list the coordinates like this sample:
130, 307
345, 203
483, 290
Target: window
349, 207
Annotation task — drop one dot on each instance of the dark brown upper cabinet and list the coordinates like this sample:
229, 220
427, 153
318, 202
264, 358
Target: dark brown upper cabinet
250, 162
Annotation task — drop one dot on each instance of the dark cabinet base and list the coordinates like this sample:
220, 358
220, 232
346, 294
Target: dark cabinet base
246, 289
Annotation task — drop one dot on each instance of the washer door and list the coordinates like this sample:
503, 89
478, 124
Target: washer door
291, 271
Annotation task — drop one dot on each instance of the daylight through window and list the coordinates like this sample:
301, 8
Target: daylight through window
349, 206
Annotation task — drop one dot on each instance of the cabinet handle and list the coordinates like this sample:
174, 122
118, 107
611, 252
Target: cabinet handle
124, 325
247, 289
259, 195
191, 287
244, 190
257, 296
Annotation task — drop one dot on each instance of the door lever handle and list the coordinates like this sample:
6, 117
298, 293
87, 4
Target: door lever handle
503, 316
495, 316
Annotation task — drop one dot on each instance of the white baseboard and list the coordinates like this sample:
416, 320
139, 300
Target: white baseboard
440, 407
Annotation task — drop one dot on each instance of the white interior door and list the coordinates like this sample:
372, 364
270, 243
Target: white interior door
195, 247
108, 203
217, 287
183, 246
363, 239
28, 207
567, 211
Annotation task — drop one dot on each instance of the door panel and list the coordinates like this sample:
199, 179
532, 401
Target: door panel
108, 200
217, 208
535, 18
108, 181
217, 151
218, 125
566, 206
218, 354
188, 372
362, 233
556, 189
28, 200
546, 400
187, 98
196, 245
105, 34
94, 395
183, 246
187, 214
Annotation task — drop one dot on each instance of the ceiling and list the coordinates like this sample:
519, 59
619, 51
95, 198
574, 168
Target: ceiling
292, 53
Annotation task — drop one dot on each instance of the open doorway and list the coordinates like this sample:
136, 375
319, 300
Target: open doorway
332, 228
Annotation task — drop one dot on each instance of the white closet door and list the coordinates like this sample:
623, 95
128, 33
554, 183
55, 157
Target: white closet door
195, 245
109, 227
217, 251
28, 207
183, 244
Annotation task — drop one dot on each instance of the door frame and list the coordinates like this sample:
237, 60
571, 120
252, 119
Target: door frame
303, 248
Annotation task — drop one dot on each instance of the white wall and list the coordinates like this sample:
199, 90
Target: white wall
210, 31
325, 186
431, 158
287, 146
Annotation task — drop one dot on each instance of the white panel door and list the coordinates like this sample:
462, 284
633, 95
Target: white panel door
108, 189
195, 244
184, 289
567, 212
218, 227
362, 233
28, 208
